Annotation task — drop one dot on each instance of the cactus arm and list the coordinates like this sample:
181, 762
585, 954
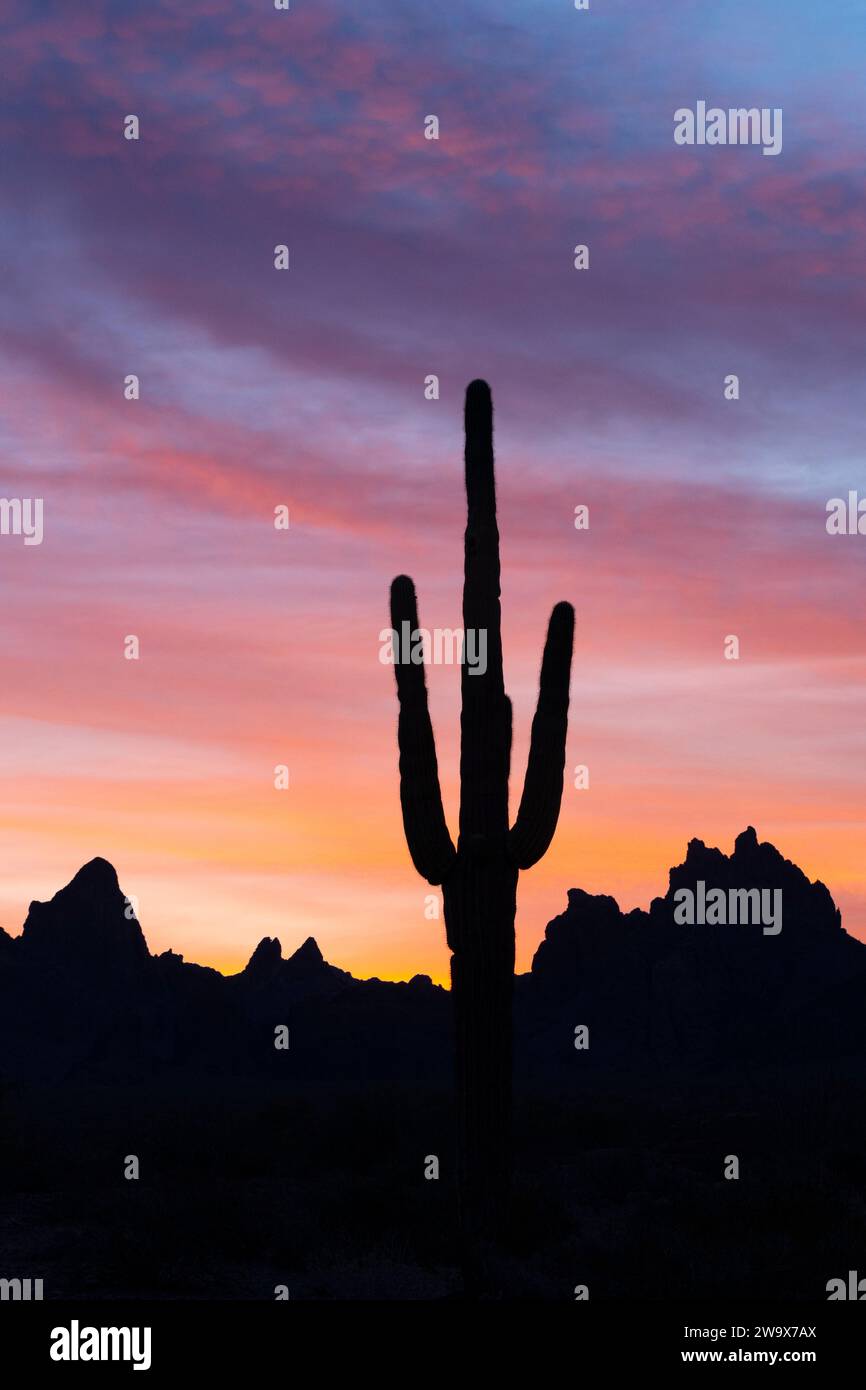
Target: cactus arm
485, 725
542, 790
420, 797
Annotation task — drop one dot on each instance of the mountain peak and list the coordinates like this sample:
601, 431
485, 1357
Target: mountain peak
746, 841
89, 926
593, 939
308, 954
96, 876
266, 957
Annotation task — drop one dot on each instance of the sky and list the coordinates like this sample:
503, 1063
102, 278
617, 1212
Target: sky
304, 388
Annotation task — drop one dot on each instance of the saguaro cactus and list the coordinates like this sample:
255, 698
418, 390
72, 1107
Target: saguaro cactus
479, 877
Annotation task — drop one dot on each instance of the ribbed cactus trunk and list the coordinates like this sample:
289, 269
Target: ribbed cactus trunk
479, 878
482, 977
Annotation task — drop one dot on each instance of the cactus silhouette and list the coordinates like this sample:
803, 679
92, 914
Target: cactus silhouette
479, 877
